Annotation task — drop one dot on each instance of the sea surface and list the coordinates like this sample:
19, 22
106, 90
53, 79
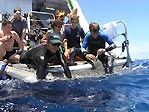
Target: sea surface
123, 92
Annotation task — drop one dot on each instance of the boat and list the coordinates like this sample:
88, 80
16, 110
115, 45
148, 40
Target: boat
120, 57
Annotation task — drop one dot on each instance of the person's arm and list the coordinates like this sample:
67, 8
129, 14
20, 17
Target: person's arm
12, 18
24, 25
66, 53
16, 37
23, 34
82, 34
3, 38
38, 54
63, 63
112, 45
41, 71
65, 44
85, 42
44, 39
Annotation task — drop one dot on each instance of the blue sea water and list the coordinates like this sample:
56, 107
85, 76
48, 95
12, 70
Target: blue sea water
125, 92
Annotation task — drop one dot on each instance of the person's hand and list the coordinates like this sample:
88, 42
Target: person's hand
14, 16
67, 53
101, 51
7, 37
24, 42
90, 57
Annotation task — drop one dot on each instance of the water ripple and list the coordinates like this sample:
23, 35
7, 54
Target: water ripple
125, 92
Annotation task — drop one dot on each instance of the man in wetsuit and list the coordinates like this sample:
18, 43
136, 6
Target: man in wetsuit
40, 55
95, 41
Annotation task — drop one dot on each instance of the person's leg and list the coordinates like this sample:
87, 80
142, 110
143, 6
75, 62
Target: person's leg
110, 62
2, 51
72, 57
104, 60
24, 59
41, 70
12, 56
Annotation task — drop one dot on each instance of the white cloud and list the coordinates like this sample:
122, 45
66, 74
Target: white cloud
139, 51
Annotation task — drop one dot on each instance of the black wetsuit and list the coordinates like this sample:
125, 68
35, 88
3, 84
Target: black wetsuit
93, 44
39, 56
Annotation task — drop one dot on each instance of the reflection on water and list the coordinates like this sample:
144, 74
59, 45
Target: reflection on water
127, 92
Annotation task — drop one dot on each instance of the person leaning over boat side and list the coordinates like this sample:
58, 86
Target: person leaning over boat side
40, 55
95, 41
72, 35
7, 38
19, 25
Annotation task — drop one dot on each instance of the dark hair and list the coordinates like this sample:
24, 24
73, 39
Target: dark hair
56, 23
17, 9
5, 22
94, 25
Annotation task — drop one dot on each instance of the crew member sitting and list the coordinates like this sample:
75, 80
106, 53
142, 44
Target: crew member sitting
7, 39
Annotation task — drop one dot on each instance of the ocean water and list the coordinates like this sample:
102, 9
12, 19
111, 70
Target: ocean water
124, 92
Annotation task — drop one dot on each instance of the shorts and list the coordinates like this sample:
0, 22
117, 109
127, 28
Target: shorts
8, 54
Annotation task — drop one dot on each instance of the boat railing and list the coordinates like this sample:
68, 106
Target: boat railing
112, 31
39, 17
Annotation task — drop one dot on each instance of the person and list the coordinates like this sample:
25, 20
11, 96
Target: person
60, 13
50, 20
19, 25
56, 29
72, 35
39, 56
7, 38
74, 12
95, 41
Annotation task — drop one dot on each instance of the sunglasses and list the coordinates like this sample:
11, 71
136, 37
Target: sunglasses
94, 30
56, 44
17, 10
59, 26
74, 22
18, 13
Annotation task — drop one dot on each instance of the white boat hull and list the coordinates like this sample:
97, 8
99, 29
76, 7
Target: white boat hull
22, 72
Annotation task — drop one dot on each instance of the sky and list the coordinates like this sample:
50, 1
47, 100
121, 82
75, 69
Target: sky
133, 12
